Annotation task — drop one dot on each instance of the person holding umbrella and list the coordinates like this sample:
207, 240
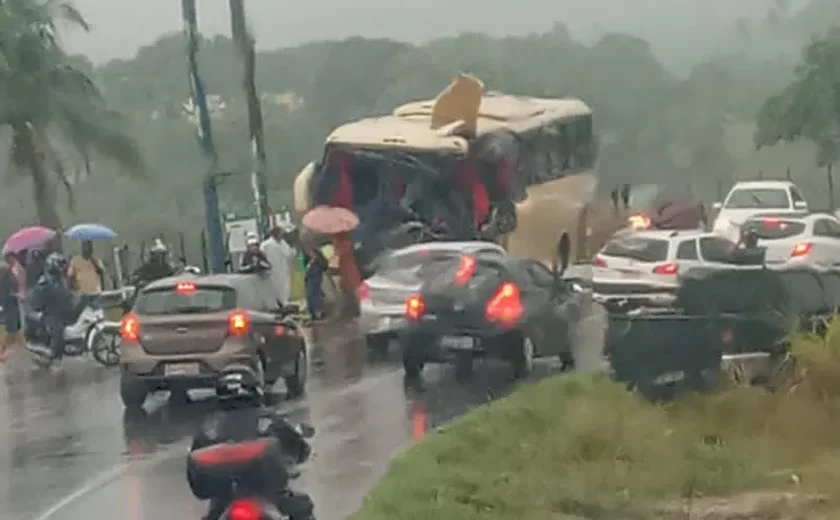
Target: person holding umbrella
86, 272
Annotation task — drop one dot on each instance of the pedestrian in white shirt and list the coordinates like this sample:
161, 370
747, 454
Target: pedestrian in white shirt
281, 257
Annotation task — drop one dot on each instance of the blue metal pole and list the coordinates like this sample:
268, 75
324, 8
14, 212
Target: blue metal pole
205, 139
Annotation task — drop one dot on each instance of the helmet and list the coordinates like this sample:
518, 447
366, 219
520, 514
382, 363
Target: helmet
252, 240
240, 383
191, 269
55, 264
158, 247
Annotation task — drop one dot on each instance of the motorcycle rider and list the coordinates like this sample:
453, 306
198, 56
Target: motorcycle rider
156, 267
244, 417
53, 297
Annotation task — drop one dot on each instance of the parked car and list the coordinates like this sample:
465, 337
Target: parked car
747, 199
798, 239
474, 300
182, 331
641, 268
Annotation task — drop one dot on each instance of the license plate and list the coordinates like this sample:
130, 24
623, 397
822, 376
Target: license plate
457, 343
181, 369
384, 323
629, 274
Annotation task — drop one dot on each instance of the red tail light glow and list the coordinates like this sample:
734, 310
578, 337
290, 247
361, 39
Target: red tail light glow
230, 453
363, 292
245, 509
465, 270
130, 329
771, 222
279, 330
599, 262
414, 307
185, 288
239, 324
505, 307
669, 268
801, 249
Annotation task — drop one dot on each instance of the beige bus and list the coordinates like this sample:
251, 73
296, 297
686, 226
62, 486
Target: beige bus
546, 147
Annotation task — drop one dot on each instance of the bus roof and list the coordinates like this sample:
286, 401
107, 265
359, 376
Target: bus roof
410, 125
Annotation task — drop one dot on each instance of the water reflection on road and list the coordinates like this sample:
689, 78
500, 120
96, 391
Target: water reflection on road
70, 452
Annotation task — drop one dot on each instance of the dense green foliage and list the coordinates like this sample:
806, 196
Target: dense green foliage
695, 131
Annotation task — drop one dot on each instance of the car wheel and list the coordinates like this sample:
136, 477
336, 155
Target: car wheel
413, 357
133, 391
296, 383
522, 355
464, 365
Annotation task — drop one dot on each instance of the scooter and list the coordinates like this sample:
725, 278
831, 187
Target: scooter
80, 336
235, 463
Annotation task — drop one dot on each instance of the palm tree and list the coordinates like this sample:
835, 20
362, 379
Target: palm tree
44, 100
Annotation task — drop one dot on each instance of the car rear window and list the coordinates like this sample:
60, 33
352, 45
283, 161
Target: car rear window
172, 301
774, 228
758, 198
643, 249
422, 262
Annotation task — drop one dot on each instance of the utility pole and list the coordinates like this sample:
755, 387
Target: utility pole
244, 42
205, 140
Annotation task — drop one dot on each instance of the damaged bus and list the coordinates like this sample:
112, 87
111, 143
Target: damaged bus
470, 164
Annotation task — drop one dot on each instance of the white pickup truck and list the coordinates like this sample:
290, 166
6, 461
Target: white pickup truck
747, 199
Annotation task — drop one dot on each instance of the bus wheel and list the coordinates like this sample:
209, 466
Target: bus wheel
561, 259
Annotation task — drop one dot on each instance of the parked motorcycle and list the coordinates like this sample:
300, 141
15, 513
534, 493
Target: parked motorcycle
80, 337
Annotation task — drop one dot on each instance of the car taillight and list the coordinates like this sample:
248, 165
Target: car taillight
801, 249
465, 270
505, 307
599, 262
670, 268
363, 292
414, 307
130, 329
245, 509
185, 288
771, 223
239, 324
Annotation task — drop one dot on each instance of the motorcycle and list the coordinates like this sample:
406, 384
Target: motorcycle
80, 337
238, 463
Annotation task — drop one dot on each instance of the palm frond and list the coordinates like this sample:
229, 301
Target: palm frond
70, 14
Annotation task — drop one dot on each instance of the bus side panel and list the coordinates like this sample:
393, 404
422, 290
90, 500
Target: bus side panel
550, 210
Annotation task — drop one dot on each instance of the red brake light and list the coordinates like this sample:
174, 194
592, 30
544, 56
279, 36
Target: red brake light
599, 262
130, 329
414, 307
239, 324
363, 292
230, 453
245, 509
505, 307
670, 268
465, 270
185, 288
801, 249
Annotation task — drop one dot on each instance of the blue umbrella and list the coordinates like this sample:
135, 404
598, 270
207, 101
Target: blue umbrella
90, 232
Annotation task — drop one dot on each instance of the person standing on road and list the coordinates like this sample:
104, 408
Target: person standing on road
86, 273
281, 257
13, 292
316, 267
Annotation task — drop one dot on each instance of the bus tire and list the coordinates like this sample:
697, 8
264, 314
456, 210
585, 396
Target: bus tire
562, 257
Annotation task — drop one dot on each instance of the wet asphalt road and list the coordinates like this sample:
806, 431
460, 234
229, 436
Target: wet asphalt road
67, 452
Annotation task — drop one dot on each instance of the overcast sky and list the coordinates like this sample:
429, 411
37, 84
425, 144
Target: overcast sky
121, 26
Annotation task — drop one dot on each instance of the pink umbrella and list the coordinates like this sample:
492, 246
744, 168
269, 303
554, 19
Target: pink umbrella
28, 238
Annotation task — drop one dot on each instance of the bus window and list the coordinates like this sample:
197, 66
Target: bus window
584, 147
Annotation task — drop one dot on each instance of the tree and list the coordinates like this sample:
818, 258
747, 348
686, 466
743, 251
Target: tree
809, 107
50, 104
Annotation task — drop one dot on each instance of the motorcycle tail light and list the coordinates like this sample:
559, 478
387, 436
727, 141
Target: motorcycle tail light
414, 307
245, 509
239, 324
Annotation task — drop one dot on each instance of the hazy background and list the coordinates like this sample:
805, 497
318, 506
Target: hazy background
681, 32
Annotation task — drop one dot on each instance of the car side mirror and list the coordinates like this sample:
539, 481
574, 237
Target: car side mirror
717, 206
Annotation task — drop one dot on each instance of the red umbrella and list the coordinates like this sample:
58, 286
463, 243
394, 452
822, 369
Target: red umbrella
330, 220
338, 222
28, 238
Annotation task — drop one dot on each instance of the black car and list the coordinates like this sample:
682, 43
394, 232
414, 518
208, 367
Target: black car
486, 303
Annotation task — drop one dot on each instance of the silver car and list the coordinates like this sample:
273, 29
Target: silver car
382, 297
801, 240
641, 267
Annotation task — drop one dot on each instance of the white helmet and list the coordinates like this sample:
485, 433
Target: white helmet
158, 247
251, 239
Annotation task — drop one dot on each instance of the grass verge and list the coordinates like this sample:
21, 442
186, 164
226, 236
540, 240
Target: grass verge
583, 447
